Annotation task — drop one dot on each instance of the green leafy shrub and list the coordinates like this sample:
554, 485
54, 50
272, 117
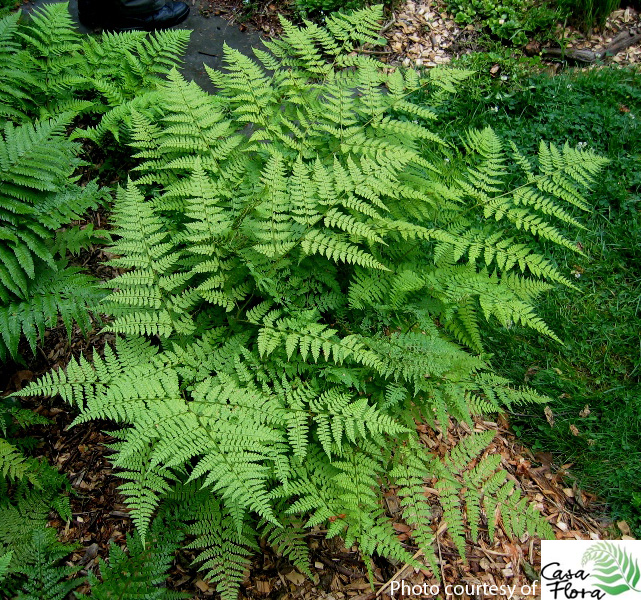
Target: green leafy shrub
315, 7
305, 263
509, 20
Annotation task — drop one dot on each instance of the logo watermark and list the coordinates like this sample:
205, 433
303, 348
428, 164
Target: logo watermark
577, 569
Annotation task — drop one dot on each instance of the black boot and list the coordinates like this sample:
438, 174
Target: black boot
169, 15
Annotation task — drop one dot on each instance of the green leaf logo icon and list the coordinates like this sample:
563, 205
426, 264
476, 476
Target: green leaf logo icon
617, 571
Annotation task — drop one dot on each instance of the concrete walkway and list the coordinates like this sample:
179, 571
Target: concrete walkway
205, 45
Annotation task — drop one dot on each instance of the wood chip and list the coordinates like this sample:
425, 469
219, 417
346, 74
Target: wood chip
295, 577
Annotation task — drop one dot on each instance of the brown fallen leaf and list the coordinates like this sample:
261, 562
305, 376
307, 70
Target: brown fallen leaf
295, 577
624, 528
585, 412
574, 430
549, 415
20, 378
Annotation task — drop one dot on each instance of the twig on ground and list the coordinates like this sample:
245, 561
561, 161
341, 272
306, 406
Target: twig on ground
398, 573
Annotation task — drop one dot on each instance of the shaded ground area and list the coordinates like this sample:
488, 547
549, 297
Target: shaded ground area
210, 33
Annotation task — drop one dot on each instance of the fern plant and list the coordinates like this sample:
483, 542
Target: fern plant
29, 550
52, 79
44, 579
30, 490
52, 76
49, 68
39, 194
140, 573
303, 278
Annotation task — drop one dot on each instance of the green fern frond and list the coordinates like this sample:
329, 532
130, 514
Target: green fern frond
224, 551
44, 579
410, 472
5, 560
14, 464
140, 573
66, 293
289, 541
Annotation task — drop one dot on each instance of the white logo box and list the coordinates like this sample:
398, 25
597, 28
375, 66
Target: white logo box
580, 569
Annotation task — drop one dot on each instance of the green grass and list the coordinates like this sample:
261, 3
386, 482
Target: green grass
599, 365
587, 14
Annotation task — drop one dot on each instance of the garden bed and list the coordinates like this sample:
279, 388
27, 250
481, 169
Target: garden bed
100, 515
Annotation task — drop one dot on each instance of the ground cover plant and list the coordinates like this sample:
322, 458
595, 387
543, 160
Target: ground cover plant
594, 377
511, 21
304, 275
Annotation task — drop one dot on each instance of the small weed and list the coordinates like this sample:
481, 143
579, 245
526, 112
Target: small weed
587, 14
